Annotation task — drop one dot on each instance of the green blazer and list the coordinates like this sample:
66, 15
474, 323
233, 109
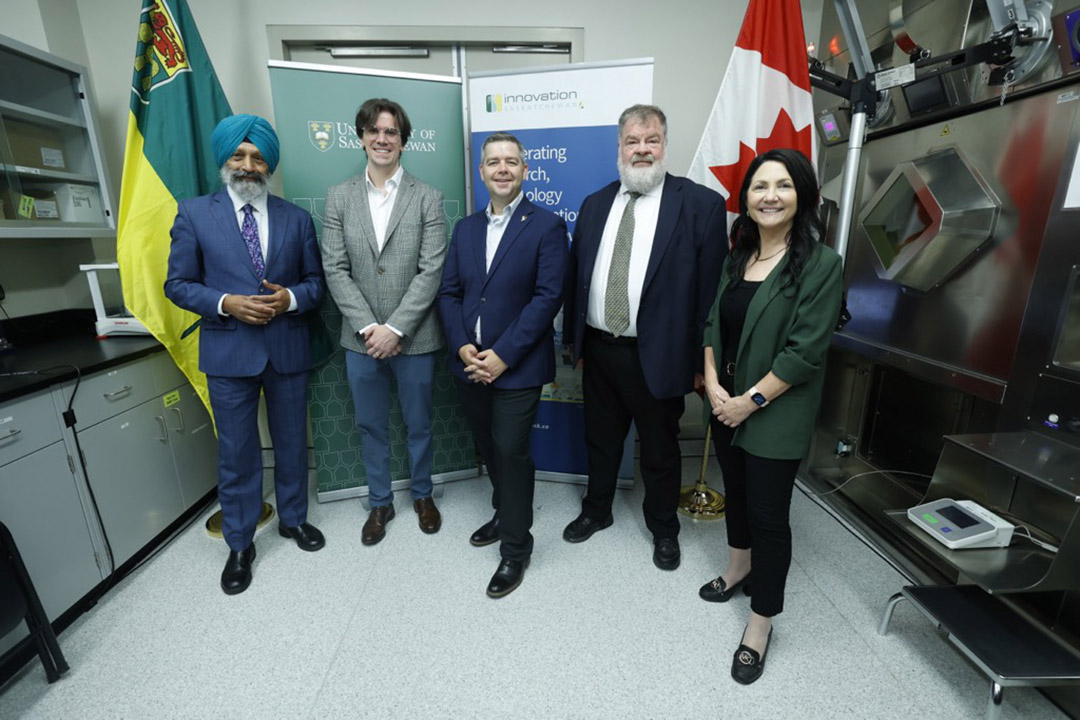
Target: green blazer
788, 332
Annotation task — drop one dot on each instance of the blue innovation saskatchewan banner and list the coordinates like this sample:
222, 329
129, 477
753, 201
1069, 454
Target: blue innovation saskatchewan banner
566, 116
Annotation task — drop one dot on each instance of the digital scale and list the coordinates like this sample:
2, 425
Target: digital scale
117, 324
961, 524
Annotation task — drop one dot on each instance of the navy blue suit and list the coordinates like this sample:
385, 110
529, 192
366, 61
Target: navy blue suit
645, 379
208, 259
516, 299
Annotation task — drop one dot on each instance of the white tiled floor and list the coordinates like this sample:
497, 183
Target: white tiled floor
404, 630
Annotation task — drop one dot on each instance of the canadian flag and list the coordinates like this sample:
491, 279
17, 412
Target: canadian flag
764, 100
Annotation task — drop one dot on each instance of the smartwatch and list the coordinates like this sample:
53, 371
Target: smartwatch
757, 397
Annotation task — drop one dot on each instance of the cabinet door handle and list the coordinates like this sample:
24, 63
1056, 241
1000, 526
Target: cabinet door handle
164, 429
179, 417
114, 393
10, 433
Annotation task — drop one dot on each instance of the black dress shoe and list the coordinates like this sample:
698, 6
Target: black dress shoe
718, 591
307, 536
506, 578
583, 527
236, 576
486, 533
747, 666
666, 554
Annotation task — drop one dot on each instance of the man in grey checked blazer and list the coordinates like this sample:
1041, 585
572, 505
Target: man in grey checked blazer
384, 245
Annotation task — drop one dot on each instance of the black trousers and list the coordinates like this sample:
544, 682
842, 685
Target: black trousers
615, 394
758, 494
501, 423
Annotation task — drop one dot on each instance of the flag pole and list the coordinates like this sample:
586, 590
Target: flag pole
699, 501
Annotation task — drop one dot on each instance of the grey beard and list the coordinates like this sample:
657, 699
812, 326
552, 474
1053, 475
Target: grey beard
642, 180
245, 190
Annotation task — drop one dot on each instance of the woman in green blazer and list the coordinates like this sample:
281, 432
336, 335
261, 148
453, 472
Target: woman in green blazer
765, 346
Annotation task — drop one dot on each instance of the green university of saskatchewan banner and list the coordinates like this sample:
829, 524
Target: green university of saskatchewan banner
315, 110
176, 101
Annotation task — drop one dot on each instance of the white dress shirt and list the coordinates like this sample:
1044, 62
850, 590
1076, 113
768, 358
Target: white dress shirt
381, 204
496, 226
262, 221
646, 213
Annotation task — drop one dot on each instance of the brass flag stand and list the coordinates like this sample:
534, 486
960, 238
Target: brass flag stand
213, 523
699, 501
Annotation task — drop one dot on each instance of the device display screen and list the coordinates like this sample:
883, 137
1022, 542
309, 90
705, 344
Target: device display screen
958, 517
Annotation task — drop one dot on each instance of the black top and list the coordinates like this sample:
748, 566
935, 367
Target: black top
733, 306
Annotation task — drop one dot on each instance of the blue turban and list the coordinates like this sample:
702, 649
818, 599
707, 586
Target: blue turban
236, 129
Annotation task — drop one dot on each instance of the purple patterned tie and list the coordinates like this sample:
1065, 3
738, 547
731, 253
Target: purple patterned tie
250, 231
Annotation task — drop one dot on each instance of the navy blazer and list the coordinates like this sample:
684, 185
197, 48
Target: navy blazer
208, 258
517, 299
680, 282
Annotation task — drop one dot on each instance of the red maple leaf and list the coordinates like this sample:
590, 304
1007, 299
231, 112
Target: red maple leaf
783, 135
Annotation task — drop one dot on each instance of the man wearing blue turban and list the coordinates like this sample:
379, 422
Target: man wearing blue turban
249, 264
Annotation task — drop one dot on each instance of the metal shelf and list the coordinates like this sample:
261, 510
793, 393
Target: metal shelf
40, 174
995, 570
31, 229
25, 112
1049, 463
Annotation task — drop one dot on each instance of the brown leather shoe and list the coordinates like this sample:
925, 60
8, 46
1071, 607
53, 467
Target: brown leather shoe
375, 527
430, 520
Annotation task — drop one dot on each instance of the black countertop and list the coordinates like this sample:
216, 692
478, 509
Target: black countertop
63, 354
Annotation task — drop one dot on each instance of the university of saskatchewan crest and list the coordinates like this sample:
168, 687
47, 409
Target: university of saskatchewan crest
159, 54
321, 134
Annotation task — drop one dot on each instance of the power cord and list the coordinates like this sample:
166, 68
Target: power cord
871, 472
1027, 533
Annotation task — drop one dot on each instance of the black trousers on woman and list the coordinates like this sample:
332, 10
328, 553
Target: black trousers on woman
758, 495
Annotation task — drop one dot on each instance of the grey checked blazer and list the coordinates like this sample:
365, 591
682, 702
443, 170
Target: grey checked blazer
398, 285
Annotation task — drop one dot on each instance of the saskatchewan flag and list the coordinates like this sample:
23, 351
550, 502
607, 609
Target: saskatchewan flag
176, 101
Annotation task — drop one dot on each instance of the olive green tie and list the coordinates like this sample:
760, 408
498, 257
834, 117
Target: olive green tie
617, 299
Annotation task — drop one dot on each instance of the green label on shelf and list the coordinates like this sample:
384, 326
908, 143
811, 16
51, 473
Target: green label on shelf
172, 398
26, 206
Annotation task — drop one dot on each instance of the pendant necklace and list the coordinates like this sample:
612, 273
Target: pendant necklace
770, 257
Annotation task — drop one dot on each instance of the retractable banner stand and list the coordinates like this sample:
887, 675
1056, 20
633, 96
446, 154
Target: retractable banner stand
566, 116
314, 111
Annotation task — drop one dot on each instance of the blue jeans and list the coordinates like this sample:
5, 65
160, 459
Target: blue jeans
369, 380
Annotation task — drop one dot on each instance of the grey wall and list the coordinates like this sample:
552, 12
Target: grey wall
690, 40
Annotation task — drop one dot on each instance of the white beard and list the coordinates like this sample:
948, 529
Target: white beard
246, 190
642, 180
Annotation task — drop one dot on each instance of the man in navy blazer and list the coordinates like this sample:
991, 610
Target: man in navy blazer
644, 267
249, 264
502, 287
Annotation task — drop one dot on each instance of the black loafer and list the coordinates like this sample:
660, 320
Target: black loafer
583, 527
486, 533
506, 578
236, 576
307, 536
666, 555
718, 591
747, 666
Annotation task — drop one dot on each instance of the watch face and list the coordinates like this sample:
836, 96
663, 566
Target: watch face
758, 399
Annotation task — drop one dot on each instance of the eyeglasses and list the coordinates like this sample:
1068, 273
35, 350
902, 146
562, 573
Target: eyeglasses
388, 133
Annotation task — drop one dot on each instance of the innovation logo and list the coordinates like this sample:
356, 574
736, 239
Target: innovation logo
546, 100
